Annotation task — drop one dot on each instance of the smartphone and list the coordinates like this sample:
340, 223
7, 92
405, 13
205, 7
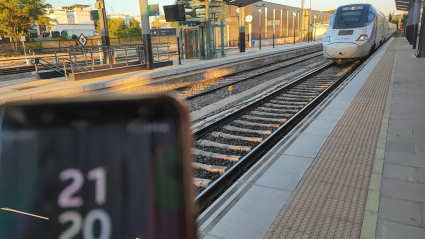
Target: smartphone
96, 168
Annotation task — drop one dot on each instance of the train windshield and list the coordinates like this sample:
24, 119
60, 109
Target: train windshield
351, 17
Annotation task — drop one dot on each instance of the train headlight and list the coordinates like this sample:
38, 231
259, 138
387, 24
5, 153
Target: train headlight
327, 39
363, 38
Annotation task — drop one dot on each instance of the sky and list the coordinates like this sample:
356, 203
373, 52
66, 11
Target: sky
131, 7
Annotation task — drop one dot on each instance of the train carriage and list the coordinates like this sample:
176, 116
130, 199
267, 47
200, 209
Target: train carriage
354, 32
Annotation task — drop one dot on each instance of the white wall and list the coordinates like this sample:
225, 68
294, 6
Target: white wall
87, 30
60, 16
82, 17
73, 21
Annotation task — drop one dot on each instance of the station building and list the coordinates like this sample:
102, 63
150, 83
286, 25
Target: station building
280, 17
74, 20
213, 26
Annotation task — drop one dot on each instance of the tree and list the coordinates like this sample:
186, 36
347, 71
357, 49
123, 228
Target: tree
19, 16
134, 29
390, 18
116, 27
74, 37
158, 24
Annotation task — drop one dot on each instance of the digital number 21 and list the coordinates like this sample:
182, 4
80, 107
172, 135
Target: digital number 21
67, 199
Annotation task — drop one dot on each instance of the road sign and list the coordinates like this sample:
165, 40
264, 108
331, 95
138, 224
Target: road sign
164, 32
82, 39
153, 10
37, 60
94, 15
23, 38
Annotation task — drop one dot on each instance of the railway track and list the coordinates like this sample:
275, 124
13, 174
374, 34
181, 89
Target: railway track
224, 149
202, 88
16, 70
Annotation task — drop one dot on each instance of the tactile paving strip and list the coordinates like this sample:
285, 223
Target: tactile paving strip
329, 201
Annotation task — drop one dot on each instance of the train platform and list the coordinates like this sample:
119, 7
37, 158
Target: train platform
353, 168
31, 88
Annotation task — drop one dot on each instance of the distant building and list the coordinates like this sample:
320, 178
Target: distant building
124, 17
74, 20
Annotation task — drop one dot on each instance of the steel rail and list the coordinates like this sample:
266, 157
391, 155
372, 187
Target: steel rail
248, 78
213, 190
186, 87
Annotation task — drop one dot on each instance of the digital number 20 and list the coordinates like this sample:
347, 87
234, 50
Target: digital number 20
67, 199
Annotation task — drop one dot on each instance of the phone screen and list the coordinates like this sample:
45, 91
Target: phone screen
110, 169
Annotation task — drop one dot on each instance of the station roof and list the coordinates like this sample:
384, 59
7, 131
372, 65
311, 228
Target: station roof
241, 3
403, 5
75, 6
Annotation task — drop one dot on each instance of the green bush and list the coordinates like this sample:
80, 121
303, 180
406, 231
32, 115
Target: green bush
62, 38
74, 37
9, 53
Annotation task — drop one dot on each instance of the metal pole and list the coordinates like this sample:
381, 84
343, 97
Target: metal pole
241, 29
126, 57
25, 52
416, 17
146, 33
293, 23
64, 71
421, 46
178, 45
259, 22
274, 20
168, 51
110, 57
100, 5
70, 61
314, 38
309, 22
35, 65
92, 60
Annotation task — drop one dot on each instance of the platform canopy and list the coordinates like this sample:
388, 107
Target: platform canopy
403, 5
241, 3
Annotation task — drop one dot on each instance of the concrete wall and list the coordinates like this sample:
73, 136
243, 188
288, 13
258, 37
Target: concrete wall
284, 21
86, 29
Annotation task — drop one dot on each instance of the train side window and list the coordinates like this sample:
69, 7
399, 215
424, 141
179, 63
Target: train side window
370, 17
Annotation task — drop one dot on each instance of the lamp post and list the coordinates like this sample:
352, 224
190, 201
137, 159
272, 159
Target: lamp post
259, 22
315, 17
293, 23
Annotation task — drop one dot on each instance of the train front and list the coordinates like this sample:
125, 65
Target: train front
348, 35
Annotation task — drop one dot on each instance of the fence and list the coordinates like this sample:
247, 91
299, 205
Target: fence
15, 48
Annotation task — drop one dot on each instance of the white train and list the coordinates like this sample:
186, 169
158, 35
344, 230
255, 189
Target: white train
354, 32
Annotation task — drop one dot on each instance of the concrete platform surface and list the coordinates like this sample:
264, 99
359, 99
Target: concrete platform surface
321, 164
402, 194
27, 89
